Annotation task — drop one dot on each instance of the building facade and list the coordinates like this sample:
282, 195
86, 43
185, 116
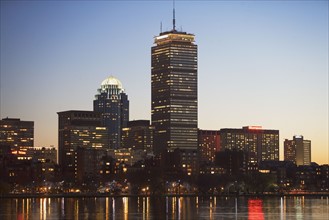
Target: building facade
298, 150
138, 135
113, 104
90, 164
234, 162
17, 134
259, 144
289, 150
78, 129
44, 154
174, 92
127, 156
209, 144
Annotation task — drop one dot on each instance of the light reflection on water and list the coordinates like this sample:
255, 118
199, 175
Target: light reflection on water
282, 208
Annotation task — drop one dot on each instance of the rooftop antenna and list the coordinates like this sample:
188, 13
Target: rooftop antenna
161, 27
174, 20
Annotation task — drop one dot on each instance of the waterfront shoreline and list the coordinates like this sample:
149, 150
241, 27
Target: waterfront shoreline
100, 195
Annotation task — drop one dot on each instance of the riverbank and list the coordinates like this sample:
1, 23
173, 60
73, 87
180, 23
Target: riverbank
89, 195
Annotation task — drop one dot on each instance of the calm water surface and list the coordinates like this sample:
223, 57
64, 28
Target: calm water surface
301, 207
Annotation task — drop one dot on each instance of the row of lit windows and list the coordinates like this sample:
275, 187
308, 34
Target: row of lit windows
183, 53
172, 74
176, 48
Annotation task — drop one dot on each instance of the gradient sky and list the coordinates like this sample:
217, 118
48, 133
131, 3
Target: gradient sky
259, 62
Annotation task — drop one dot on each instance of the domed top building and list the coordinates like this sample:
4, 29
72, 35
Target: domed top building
112, 83
112, 102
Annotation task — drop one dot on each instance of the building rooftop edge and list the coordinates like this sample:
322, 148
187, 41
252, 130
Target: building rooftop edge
246, 129
174, 32
11, 119
14, 119
67, 111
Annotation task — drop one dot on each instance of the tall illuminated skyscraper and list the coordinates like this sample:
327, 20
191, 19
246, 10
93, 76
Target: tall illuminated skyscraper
174, 91
113, 104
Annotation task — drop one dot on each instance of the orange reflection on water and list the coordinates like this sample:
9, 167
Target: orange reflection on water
107, 208
22, 209
255, 209
125, 207
173, 208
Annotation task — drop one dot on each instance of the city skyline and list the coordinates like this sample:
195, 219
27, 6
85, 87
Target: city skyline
259, 63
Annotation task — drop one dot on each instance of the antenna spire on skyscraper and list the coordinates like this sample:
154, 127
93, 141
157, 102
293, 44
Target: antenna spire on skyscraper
174, 20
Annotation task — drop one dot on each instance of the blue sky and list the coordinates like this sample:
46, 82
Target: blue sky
259, 62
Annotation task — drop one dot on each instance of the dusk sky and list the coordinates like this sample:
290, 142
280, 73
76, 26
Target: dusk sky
259, 62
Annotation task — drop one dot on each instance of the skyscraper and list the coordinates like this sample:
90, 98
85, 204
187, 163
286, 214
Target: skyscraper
298, 150
174, 91
112, 102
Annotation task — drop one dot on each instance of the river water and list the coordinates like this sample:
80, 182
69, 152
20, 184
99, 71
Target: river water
288, 207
